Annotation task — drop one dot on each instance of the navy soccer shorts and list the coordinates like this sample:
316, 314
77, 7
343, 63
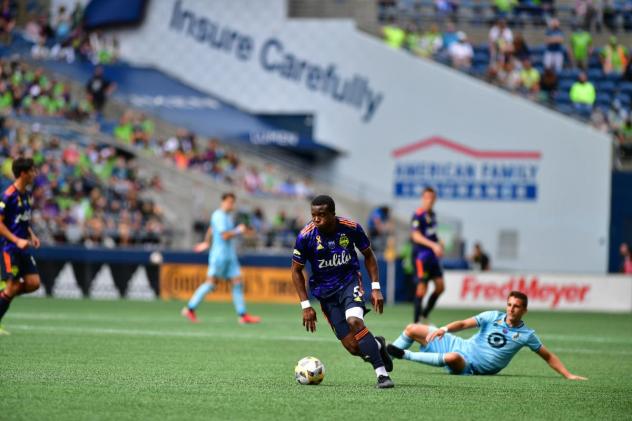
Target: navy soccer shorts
335, 306
16, 264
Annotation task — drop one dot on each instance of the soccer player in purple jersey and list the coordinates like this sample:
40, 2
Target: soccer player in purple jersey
328, 243
16, 237
427, 250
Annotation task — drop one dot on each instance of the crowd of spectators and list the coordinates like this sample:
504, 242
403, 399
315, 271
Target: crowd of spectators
63, 36
188, 151
88, 196
29, 91
567, 73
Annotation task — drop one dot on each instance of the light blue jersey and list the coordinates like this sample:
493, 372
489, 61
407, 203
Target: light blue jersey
492, 348
222, 258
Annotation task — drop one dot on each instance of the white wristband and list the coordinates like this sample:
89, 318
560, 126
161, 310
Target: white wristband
375, 285
444, 328
305, 304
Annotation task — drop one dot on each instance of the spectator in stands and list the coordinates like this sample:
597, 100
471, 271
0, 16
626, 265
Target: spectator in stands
379, 227
583, 94
626, 259
627, 74
500, 41
581, 47
614, 57
520, 50
8, 13
429, 43
585, 14
554, 54
446, 8
450, 36
394, 35
504, 8
461, 53
479, 259
529, 80
623, 140
98, 89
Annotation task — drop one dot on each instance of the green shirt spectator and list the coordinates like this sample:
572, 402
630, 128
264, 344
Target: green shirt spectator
581, 44
394, 36
505, 6
124, 131
583, 92
529, 78
614, 57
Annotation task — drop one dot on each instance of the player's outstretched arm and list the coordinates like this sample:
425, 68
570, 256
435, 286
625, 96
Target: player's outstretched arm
371, 266
309, 315
556, 364
451, 327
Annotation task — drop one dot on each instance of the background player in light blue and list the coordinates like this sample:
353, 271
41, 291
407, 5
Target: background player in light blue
500, 337
222, 261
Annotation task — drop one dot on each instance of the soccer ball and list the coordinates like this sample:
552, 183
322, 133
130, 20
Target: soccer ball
309, 370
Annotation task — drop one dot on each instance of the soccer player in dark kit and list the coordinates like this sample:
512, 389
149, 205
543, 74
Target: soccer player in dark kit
427, 252
16, 237
328, 243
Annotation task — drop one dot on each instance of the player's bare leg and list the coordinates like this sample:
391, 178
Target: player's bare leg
420, 292
455, 361
14, 288
371, 349
351, 344
240, 304
414, 332
439, 287
205, 288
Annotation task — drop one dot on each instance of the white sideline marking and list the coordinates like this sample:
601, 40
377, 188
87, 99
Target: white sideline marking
137, 332
157, 333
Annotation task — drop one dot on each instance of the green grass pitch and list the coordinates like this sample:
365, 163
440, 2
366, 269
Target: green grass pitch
84, 359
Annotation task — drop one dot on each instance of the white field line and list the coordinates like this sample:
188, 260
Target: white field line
210, 320
160, 333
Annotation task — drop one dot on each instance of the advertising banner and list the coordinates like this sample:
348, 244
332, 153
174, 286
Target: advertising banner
545, 291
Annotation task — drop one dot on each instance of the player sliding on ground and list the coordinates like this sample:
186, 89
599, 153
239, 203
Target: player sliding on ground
328, 243
500, 337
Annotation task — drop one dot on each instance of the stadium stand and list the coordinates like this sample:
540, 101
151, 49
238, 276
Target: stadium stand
596, 39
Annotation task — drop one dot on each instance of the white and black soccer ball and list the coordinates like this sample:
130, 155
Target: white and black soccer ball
309, 370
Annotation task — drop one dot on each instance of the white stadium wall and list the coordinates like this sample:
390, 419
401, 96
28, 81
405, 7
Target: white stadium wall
531, 185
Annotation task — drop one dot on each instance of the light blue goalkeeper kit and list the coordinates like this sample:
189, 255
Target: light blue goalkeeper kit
487, 352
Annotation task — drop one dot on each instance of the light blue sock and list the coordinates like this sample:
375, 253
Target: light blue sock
199, 295
429, 358
403, 342
238, 299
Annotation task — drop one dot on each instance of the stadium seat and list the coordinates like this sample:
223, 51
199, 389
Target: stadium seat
569, 74
565, 109
594, 75
625, 88
566, 84
624, 99
603, 98
561, 97
606, 86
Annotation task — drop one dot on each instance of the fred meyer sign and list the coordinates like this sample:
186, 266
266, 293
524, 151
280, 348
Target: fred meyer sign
545, 292
274, 57
465, 173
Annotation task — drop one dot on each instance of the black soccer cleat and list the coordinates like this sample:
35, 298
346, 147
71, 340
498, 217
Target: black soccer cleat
395, 351
386, 359
385, 382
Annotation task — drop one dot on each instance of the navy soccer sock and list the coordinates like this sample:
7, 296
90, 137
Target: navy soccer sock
430, 305
369, 348
418, 308
5, 301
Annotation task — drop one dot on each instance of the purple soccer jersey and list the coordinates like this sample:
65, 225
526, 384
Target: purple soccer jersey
332, 258
15, 209
426, 223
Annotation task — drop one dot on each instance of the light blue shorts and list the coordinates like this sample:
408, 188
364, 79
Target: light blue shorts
451, 343
224, 268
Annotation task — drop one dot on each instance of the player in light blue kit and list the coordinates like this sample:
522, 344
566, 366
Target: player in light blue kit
222, 261
500, 337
